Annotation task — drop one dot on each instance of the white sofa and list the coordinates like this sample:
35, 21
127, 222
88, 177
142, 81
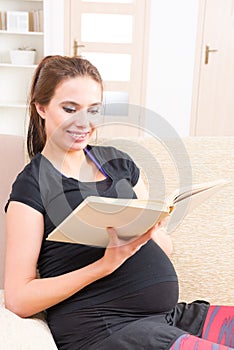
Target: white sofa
203, 243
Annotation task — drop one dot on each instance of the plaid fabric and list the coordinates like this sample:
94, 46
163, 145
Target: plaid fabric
219, 325
217, 333
190, 342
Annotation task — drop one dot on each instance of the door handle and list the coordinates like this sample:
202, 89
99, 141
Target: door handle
76, 47
207, 53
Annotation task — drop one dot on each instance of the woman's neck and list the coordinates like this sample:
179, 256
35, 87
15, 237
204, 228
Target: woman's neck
68, 163
74, 164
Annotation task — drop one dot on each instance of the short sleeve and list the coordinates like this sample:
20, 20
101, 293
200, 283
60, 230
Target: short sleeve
117, 163
25, 189
133, 170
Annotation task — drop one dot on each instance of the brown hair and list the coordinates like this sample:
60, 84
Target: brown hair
51, 71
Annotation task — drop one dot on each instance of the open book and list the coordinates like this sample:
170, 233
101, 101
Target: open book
130, 217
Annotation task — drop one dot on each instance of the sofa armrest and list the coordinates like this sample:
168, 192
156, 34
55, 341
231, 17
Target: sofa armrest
23, 333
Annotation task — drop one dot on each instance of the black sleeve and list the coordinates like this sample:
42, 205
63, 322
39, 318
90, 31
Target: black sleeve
133, 170
25, 189
117, 162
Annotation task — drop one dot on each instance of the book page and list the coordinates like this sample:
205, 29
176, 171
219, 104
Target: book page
186, 192
186, 202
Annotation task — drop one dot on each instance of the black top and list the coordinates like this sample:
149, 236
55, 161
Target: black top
41, 186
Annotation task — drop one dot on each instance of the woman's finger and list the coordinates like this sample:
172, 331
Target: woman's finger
113, 237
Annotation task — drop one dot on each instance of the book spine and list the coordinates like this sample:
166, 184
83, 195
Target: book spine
30, 22
41, 20
3, 20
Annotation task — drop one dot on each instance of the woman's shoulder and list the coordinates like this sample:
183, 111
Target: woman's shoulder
31, 169
26, 187
116, 162
108, 152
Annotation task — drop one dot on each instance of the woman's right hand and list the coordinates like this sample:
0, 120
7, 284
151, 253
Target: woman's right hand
119, 250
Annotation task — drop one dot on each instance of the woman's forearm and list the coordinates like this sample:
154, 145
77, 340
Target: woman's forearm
37, 295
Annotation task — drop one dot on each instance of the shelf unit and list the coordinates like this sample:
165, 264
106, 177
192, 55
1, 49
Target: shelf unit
15, 80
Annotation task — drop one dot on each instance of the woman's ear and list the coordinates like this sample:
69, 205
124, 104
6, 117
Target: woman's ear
40, 110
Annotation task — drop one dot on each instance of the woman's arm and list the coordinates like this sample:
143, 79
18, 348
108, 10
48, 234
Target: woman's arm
159, 236
25, 294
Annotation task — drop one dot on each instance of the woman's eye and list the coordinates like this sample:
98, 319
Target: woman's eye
94, 111
69, 109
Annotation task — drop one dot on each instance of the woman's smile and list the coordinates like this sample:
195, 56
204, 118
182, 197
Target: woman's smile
78, 136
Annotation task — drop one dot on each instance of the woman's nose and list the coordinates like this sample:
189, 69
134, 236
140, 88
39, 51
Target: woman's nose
81, 118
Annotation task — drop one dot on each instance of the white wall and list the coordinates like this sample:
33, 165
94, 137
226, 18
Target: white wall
54, 27
172, 40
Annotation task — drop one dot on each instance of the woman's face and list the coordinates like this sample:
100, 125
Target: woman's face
72, 113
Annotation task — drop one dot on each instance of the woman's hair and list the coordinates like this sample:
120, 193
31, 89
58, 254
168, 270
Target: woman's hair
51, 71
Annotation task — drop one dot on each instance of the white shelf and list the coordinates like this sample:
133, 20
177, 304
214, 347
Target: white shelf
9, 65
13, 105
21, 33
16, 79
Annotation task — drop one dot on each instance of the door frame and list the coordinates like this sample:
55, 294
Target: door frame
199, 57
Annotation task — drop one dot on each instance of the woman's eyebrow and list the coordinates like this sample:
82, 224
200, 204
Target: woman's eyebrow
70, 102
78, 105
96, 104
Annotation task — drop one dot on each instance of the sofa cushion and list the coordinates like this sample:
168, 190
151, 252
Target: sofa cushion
23, 333
12, 160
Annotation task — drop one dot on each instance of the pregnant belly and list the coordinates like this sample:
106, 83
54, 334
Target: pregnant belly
159, 298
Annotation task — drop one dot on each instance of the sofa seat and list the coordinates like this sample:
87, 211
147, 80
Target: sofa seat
18, 333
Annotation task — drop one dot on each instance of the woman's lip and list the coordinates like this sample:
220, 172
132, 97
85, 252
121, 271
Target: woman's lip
78, 136
78, 132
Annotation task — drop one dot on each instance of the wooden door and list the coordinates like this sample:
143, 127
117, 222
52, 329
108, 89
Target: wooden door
112, 34
213, 100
